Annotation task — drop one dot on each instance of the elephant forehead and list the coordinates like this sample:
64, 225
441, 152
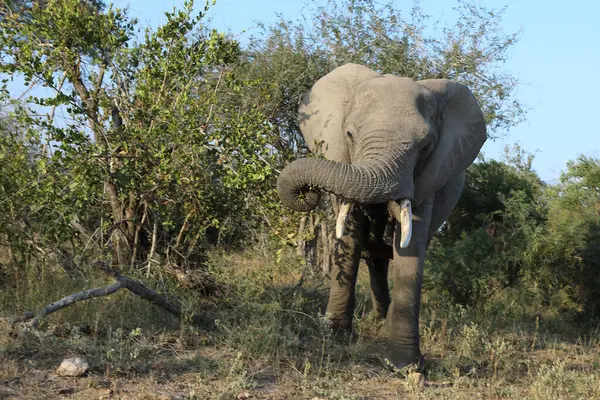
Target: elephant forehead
387, 94
390, 104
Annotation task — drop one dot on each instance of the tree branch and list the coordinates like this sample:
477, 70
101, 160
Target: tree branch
74, 298
120, 282
99, 80
153, 244
136, 237
91, 105
58, 89
184, 227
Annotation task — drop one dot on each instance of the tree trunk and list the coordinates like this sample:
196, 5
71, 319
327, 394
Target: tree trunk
122, 242
300, 239
311, 246
326, 246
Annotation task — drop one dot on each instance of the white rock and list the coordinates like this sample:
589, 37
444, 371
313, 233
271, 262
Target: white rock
73, 366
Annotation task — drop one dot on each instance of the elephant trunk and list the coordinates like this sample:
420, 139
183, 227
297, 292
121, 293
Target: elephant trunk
373, 182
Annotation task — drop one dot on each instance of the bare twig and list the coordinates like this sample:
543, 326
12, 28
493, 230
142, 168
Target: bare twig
136, 238
184, 227
210, 110
167, 62
300, 239
31, 86
58, 89
325, 237
99, 80
153, 245
192, 244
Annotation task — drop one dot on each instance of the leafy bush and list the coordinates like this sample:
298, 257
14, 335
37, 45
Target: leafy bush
153, 146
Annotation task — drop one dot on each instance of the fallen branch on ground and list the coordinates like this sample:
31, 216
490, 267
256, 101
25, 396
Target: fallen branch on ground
120, 282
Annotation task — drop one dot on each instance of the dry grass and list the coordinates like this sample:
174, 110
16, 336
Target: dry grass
264, 338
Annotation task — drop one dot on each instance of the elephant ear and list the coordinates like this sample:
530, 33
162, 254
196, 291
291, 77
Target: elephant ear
322, 111
462, 133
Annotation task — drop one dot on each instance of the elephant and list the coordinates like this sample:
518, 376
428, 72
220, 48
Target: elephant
395, 151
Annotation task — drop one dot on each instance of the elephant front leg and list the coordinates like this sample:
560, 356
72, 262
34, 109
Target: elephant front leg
346, 258
407, 272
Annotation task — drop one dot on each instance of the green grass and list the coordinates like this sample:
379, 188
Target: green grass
264, 335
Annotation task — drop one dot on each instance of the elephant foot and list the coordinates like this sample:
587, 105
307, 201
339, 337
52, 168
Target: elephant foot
386, 329
378, 315
401, 359
342, 330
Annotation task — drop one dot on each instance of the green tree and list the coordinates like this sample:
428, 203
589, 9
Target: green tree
483, 246
16, 189
488, 184
565, 258
155, 146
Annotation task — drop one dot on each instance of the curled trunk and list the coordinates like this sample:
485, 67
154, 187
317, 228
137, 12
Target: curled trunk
301, 182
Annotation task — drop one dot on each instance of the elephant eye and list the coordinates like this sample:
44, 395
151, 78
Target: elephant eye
427, 149
349, 135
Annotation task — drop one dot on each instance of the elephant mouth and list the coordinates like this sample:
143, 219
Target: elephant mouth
373, 181
401, 211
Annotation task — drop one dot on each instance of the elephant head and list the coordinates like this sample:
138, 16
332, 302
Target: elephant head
385, 138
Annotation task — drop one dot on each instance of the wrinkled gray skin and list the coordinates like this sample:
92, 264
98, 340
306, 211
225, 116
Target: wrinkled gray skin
384, 138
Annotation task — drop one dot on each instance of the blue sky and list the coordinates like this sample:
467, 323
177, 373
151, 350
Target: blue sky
556, 62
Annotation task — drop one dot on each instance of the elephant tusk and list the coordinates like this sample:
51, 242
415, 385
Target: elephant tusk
405, 223
403, 214
341, 219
